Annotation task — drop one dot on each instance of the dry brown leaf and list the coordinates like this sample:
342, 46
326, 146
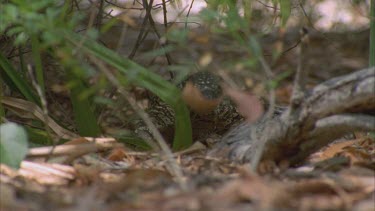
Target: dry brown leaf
117, 154
26, 109
334, 149
360, 150
248, 105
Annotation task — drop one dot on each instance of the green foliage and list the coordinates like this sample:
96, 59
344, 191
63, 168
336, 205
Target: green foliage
16, 80
285, 7
26, 18
49, 28
135, 74
13, 144
36, 23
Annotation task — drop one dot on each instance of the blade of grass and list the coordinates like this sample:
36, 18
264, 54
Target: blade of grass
20, 83
84, 115
285, 7
35, 45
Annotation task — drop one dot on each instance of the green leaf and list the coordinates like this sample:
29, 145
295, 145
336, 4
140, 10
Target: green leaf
285, 7
15, 30
13, 144
10, 12
84, 115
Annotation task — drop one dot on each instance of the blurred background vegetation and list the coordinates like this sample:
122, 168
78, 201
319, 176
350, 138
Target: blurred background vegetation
79, 66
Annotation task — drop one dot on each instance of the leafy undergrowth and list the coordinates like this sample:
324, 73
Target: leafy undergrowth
102, 173
115, 178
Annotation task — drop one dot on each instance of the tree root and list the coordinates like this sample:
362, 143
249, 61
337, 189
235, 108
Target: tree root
332, 109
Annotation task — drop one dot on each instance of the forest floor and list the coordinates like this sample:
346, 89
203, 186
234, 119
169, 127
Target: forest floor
109, 176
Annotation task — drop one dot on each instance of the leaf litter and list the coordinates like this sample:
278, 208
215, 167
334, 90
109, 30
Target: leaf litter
121, 179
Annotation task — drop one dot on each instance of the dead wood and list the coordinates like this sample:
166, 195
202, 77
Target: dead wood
329, 111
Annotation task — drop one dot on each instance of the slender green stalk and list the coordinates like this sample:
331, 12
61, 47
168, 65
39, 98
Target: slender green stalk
36, 53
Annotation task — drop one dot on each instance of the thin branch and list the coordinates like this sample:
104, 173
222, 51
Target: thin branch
71, 149
141, 32
44, 110
261, 144
300, 77
173, 166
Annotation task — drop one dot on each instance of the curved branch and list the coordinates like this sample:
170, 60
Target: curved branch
286, 134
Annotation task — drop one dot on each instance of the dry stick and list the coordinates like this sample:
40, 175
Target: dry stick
311, 24
270, 75
331, 125
71, 149
47, 169
99, 17
259, 153
152, 23
173, 167
325, 100
188, 13
165, 15
144, 23
298, 92
262, 143
44, 109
